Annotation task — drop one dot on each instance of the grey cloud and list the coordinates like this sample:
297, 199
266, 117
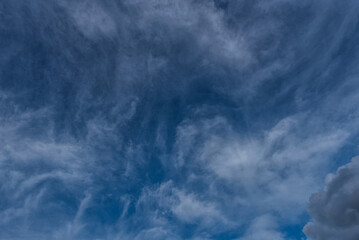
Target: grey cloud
335, 210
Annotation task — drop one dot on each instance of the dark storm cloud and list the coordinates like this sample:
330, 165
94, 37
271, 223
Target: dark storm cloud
336, 209
159, 119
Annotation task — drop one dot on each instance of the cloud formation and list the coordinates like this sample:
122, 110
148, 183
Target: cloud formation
263, 227
183, 119
336, 209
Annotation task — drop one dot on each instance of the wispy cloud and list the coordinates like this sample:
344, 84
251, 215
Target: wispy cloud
178, 119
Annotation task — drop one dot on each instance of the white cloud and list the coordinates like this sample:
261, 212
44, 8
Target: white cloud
202, 22
189, 209
92, 19
30, 164
224, 175
167, 200
273, 171
263, 228
278, 167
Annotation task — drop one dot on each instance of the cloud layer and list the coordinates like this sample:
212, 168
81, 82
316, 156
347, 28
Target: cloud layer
183, 119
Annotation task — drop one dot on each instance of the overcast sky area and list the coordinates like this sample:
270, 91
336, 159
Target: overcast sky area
179, 120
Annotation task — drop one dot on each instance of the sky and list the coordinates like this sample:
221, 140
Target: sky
179, 120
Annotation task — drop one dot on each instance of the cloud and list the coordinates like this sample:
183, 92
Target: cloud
275, 170
40, 172
187, 207
263, 228
170, 22
183, 119
156, 233
92, 19
335, 209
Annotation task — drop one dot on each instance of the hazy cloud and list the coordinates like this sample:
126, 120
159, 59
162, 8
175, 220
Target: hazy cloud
263, 227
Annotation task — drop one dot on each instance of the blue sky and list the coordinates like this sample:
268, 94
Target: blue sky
179, 119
